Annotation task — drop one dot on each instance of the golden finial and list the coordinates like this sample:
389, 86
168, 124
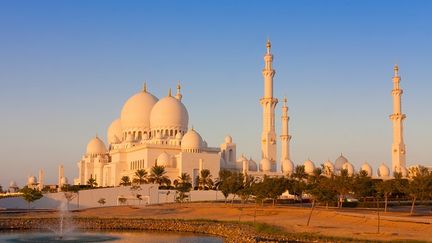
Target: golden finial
396, 70
169, 92
144, 89
268, 45
178, 85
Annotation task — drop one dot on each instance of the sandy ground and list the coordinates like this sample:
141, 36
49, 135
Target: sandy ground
348, 223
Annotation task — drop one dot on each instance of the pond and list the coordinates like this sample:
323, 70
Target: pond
117, 236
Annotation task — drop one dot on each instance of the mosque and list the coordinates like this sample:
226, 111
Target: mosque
155, 131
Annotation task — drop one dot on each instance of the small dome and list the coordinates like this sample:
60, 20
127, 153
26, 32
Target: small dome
265, 165
328, 168
366, 167
348, 167
309, 166
31, 180
339, 162
252, 165
404, 171
287, 166
179, 136
114, 133
64, 181
228, 139
164, 159
96, 146
191, 141
383, 171
169, 114
13, 184
135, 114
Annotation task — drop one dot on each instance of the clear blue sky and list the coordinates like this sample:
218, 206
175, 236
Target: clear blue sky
67, 67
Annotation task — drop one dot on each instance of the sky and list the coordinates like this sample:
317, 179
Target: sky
67, 67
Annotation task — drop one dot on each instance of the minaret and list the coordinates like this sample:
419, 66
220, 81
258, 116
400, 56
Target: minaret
41, 179
398, 147
60, 176
285, 137
268, 137
178, 95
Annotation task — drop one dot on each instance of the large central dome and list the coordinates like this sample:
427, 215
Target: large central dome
135, 115
169, 115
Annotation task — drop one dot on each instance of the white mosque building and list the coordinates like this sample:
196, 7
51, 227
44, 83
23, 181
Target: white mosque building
152, 131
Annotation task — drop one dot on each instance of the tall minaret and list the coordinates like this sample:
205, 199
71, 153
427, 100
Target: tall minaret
285, 137
268, 137
398, 147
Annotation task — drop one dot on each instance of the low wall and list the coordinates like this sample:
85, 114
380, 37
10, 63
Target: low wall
89, 198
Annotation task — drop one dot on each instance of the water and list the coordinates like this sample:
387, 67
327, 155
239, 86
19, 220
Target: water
126, 237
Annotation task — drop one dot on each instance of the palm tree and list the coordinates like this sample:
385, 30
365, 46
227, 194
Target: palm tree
92, 182
140, 177
205, 180
125, 181
183, 185
157, 175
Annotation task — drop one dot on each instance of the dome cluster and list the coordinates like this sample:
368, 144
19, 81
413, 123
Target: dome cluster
144, 116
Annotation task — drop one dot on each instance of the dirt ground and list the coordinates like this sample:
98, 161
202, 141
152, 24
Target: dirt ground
360, 224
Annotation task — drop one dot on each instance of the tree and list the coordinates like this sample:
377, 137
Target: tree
157, 175
343, 184
246, 191
30, 195
125, 181
276, 186
297, 182
183, 185
401, 186
122, 200
92, 181
140, 177
1, 189
420, 185
363, 186
223, 177
260, 191
233, 184
70, 192
205, 181
385, 188
101, 201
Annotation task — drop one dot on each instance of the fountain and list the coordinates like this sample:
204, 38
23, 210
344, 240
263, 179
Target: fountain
64, 232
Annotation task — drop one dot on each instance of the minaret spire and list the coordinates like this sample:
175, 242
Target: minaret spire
398, 146
285, 137
178, 95
268, 103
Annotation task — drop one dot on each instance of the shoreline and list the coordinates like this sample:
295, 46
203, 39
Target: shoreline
229, 231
